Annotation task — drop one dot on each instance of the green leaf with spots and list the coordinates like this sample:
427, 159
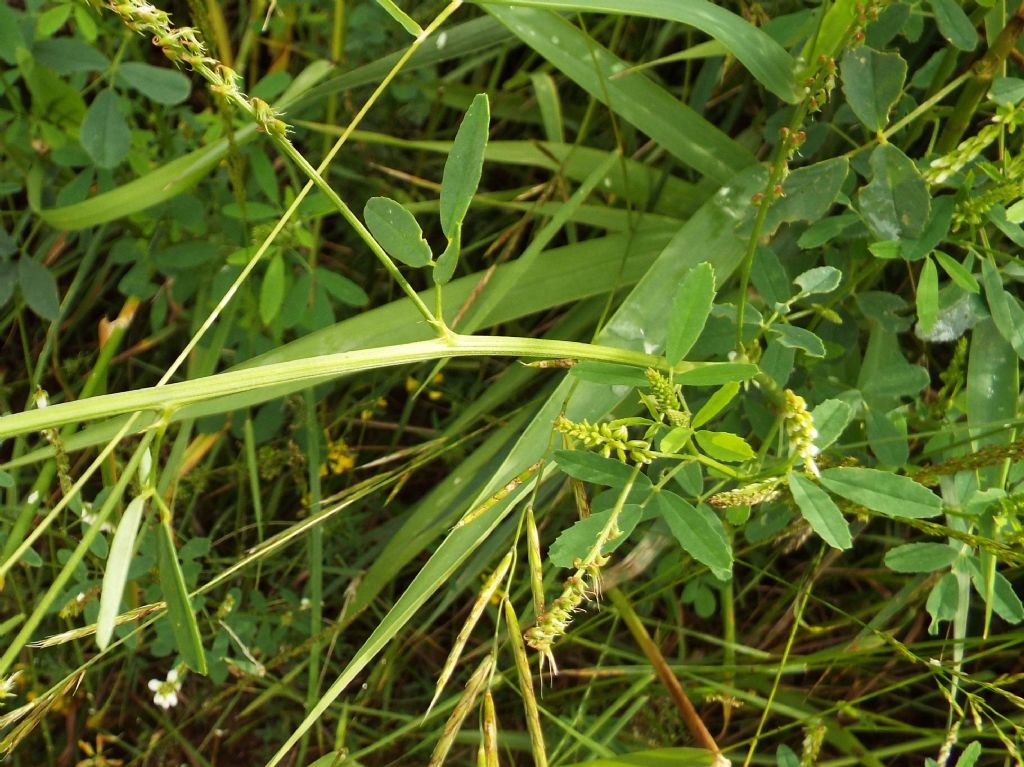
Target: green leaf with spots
872, 82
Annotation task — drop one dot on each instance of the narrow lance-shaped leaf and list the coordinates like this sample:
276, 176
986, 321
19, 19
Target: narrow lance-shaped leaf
464, 165
444, 269
920, 557
928, 295
690, 311
179, 608
820, 511
116, 573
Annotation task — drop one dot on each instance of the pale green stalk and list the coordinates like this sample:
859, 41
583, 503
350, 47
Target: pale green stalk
314, 370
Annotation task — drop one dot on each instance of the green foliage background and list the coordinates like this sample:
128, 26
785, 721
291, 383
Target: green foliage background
266, 423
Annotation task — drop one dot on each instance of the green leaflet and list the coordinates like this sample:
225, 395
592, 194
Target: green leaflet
699, 531
883, 491
872, 82
464, 166
397, 231
690, 311
920, 557
820, 511
636, 98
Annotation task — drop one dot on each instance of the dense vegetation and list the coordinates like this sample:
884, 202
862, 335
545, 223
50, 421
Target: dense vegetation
511, 382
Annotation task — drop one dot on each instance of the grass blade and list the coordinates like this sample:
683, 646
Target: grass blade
765, 58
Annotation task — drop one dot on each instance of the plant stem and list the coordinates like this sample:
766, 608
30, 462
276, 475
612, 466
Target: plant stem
314, 370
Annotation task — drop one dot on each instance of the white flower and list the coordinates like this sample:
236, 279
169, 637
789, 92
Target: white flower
88, 518
165, 694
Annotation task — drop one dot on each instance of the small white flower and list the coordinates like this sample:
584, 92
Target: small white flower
304, 603
88, 518
165, 693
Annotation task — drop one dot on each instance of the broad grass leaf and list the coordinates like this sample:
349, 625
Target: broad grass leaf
820, 511
104, 134
179, 608
690, 311
577, 541
920, 557
464, 166
928, 296
884, 492
397, 231
699, 531
715, 404
765, 58
635, 97
39, 288
794, 337
272, 289
895, 204
115, 575
597, 469
724, 446
160, 84
872, 82
341, 288
954, 24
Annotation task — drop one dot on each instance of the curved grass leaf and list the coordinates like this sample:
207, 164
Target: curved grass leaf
636, 98
765, 58
179, 608
115, 576
820, 511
